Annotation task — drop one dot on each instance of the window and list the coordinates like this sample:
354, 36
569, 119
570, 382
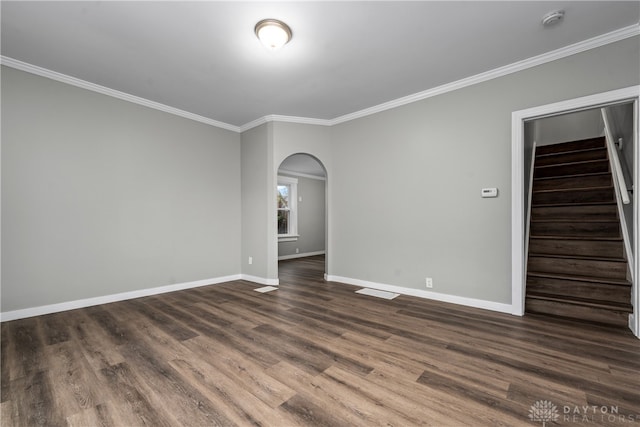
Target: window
287, 209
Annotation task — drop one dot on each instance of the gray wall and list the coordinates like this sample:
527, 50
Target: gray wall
101, 196
311, 217
257, 206
568, 127
406, 194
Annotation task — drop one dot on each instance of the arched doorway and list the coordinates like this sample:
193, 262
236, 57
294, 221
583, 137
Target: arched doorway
302, 215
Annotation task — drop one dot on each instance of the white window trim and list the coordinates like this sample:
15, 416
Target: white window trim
292, 236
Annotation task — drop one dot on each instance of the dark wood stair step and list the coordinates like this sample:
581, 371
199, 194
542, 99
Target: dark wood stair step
577, 247
575, 228
556, 205
582, 144
576, 289
588, 220
612, 239
576, 181
576, 212
606, 257
593, 267
570, 169
578, 278
571, 156
573, 196
616, 315
609, 305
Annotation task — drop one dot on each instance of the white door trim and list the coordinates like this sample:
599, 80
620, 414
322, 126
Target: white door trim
518, 119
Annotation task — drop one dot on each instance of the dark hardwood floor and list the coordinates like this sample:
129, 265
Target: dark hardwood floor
312, 353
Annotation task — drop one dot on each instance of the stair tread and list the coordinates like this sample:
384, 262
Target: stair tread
574, 221
578, 278
581, 150
610, 305
585, 238
607, 212
555, 205
579, 257
581, 162
573, 205
579, 175
562, 147
573, 189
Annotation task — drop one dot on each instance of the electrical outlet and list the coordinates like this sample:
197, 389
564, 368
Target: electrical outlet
297, 250
429, 282
250, 260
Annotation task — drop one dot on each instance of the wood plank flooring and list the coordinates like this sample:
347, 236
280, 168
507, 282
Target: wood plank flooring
312, 353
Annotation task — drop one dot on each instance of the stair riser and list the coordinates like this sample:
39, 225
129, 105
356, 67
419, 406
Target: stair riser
576, 289
604, 195
590, 314
595, 212
576, 229
572, 146
578, 156
593, 248
573, 182
600, 269
571, 169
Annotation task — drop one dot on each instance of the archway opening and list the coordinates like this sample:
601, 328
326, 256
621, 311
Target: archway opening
301, 218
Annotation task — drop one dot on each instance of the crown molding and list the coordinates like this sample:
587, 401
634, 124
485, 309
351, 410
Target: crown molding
254, 124
592, 43
284, 119
73, 81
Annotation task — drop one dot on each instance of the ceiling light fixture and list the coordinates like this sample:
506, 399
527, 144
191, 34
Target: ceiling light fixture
273, 33
552, 18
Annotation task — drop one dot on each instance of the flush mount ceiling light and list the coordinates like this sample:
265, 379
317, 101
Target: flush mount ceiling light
552, 18
273, 33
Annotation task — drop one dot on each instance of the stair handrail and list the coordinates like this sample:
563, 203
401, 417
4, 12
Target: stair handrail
618, 177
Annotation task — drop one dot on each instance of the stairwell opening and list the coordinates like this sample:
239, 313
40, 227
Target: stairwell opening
572, 260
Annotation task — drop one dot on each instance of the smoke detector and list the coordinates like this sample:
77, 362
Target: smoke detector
552, 18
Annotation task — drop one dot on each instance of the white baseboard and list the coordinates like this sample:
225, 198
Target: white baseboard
88, 302
469, 302
306, 254
260, 280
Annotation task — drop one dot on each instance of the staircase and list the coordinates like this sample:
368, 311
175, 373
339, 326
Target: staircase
576, 267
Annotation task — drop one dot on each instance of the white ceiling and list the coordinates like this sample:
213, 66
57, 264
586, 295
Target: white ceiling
203, 57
